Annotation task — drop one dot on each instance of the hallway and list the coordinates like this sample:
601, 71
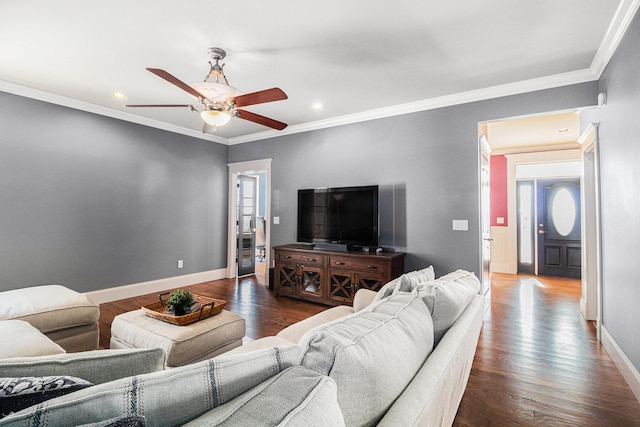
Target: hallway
538, 362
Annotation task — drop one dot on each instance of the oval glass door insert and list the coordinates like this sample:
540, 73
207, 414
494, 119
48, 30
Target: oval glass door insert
563, 212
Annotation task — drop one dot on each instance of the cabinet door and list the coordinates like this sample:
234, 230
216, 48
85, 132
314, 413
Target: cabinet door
311, 281
287, 278
373, 282
341, 286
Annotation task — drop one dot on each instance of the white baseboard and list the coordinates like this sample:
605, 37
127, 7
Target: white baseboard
102, 296
626, 368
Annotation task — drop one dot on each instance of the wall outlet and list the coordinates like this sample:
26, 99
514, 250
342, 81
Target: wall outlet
180, 263
461, 225
500, 220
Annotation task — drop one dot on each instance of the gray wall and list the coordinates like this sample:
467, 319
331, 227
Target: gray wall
619, 133
425, 163
92, 202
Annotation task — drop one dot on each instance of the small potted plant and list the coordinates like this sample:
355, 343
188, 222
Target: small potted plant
180, 302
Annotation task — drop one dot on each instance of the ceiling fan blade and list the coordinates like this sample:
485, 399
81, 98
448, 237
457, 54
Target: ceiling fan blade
260, 97
159, 105
175, 81
261, 120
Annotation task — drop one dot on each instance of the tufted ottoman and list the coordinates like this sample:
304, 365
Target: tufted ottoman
65, 316
183, 344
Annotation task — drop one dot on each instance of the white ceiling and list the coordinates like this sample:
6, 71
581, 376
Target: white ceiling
360, 59
538, 133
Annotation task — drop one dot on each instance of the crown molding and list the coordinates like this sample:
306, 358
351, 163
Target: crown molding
103, 111
532, 85
618, 27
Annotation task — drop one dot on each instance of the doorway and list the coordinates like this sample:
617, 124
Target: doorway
246, 224
248, 248
536, 148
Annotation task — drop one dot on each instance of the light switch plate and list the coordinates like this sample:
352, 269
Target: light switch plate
276, 220
461, 225
500, 220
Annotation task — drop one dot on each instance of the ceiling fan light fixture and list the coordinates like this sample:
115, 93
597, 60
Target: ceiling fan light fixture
216, 92
215, 118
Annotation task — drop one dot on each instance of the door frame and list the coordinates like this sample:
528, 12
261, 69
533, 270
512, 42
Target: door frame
512, 209
591, 300
251, 268
235, 170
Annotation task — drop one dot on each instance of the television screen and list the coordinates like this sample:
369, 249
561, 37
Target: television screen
346, 215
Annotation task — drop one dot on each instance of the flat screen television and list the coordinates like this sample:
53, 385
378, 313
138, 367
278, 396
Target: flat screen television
345, 215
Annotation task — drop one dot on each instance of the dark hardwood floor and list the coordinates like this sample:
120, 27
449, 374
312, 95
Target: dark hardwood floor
537, 362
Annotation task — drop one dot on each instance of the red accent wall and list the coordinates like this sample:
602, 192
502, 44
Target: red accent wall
498, 189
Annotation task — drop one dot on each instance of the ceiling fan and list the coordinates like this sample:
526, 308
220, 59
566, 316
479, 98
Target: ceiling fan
217, 100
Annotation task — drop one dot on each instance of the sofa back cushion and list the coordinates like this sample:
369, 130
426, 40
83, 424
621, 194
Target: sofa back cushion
295, 397
96, 366
372, 355
447, 297
166, 398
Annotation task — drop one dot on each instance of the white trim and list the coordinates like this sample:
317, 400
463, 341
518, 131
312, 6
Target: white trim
588, 136
607, 48
102, 296
104, 111
235, 169
618, 27
532, 85
626, 368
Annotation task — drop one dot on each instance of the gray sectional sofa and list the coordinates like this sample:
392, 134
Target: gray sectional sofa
399, 357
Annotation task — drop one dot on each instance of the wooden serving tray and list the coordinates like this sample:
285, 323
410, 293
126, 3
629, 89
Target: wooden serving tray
208, 307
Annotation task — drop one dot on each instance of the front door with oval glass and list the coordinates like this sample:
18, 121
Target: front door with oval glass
558, 227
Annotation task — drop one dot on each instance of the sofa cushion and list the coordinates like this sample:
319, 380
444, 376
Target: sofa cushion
447, 297
260, 344
97, 366
295, 397
406, 283
296, 331
49, 307
372, 354
19, 338
19, 393
166, 398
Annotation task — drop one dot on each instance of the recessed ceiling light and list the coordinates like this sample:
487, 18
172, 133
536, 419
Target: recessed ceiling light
317, 106
119, 95
563, 130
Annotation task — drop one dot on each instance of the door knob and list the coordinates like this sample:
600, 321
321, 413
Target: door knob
541, 231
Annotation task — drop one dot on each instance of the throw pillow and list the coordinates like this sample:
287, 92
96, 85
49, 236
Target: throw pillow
409, 281
20, 393
406, 282
447, 297
372, 355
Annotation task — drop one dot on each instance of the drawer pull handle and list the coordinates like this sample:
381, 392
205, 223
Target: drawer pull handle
311, 259
286, 257
372, 266
339, 263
